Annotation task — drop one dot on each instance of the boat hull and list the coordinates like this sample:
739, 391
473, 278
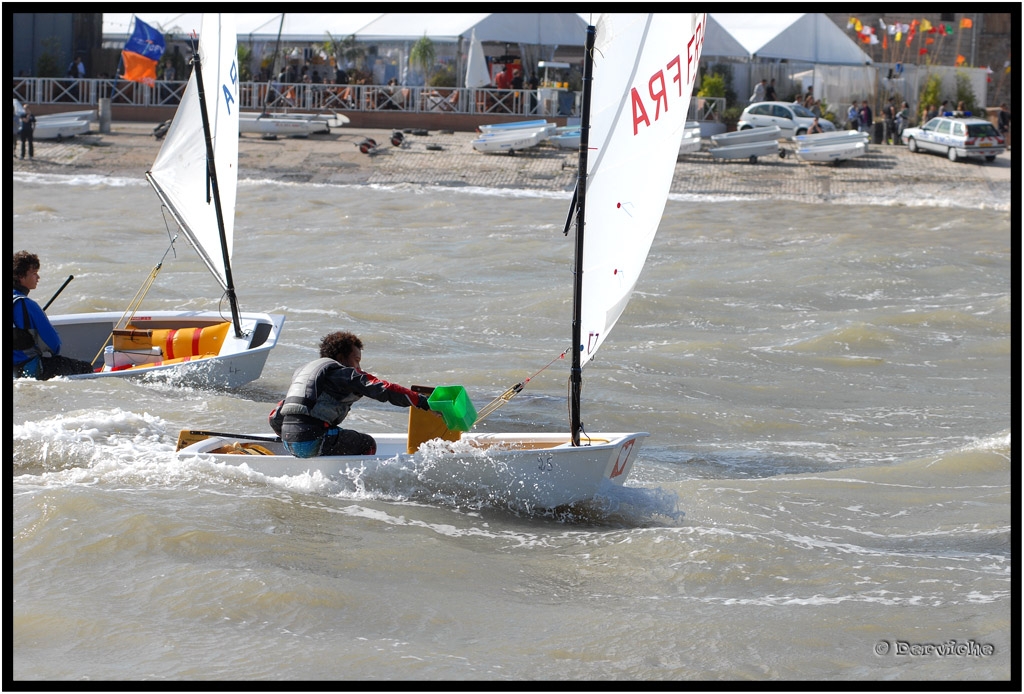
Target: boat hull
746, 150
834, 151
527, 470
58, 129
288, 126
518, 125
691, 141
238, 361
736, 137
513, 140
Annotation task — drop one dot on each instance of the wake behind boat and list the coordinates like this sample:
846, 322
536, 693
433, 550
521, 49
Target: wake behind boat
195, 175
627, 160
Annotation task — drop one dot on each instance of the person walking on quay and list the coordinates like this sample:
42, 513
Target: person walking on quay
865, 117
889, 122
759, 91
27, 126
853, 117
1004, 123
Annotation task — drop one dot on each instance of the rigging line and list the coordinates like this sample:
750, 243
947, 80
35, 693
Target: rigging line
513, 391
133, 305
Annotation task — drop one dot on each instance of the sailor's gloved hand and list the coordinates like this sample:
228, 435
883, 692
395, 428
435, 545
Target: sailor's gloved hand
423, 404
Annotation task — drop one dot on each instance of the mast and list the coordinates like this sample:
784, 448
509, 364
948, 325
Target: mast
211, 166
576, 371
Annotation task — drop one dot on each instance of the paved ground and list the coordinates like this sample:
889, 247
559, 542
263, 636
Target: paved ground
885, 174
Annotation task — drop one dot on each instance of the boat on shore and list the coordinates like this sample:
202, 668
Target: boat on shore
832, 147
195, 176
747, 144
615, 211
512, 140
515, 125
58, 126
691, 141
288, 124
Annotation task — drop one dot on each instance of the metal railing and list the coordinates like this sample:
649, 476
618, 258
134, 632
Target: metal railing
258, 96
276, 96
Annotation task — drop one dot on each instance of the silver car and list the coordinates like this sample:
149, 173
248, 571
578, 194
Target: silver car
793, 119
957, 138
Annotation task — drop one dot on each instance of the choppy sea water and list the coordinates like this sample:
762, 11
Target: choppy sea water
825, 494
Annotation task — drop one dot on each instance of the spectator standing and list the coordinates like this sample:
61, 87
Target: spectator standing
27, 126
902, 118
759, 92
769, 91
889, 121
865, 117
853, 117
1003, 123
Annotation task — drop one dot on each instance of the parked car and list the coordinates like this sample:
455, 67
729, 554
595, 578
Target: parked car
793, 119
957, 138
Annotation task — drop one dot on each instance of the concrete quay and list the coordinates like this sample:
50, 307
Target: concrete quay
885, 175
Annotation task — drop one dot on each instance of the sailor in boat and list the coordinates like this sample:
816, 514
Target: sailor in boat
36, 342
322, 393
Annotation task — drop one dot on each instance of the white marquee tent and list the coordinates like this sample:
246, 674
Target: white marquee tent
531, 28
814, 38
719, 43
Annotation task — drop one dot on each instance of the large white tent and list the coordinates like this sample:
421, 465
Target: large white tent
531, 28
814, 38
719, 43
255, 26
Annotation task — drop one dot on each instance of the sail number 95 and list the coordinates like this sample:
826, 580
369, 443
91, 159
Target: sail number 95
544, 462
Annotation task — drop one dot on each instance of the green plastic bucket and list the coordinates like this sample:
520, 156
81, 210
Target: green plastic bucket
455, 407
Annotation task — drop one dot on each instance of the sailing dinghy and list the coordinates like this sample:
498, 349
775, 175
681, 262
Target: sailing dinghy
637, 78
195, 175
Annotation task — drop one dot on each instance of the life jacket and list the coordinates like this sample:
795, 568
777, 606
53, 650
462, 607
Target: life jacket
24, 337
305, 395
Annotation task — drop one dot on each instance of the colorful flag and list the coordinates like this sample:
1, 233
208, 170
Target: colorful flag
960, 60
925, 25
923, 51
141, 53
966, 23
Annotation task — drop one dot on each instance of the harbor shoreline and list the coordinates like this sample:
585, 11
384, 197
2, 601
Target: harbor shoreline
885, 175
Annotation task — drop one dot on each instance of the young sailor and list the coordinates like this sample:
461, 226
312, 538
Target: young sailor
36, 343
322, 393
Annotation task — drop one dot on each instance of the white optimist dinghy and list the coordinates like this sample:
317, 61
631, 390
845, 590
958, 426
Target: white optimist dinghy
627, 159
512, 140
195, 176
832, 146
691, 138
289, 124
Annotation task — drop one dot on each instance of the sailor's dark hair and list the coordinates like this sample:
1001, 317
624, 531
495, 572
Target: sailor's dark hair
339, 345
25, 262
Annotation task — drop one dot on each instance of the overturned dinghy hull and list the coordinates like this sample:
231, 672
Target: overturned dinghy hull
837, 152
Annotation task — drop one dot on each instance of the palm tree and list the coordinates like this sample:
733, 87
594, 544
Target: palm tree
423, 55
345, 51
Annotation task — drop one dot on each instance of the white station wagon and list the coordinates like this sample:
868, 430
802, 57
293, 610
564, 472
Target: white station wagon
957, 138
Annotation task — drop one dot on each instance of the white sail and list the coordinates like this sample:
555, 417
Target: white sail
644, 69
180, 172
476, 66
